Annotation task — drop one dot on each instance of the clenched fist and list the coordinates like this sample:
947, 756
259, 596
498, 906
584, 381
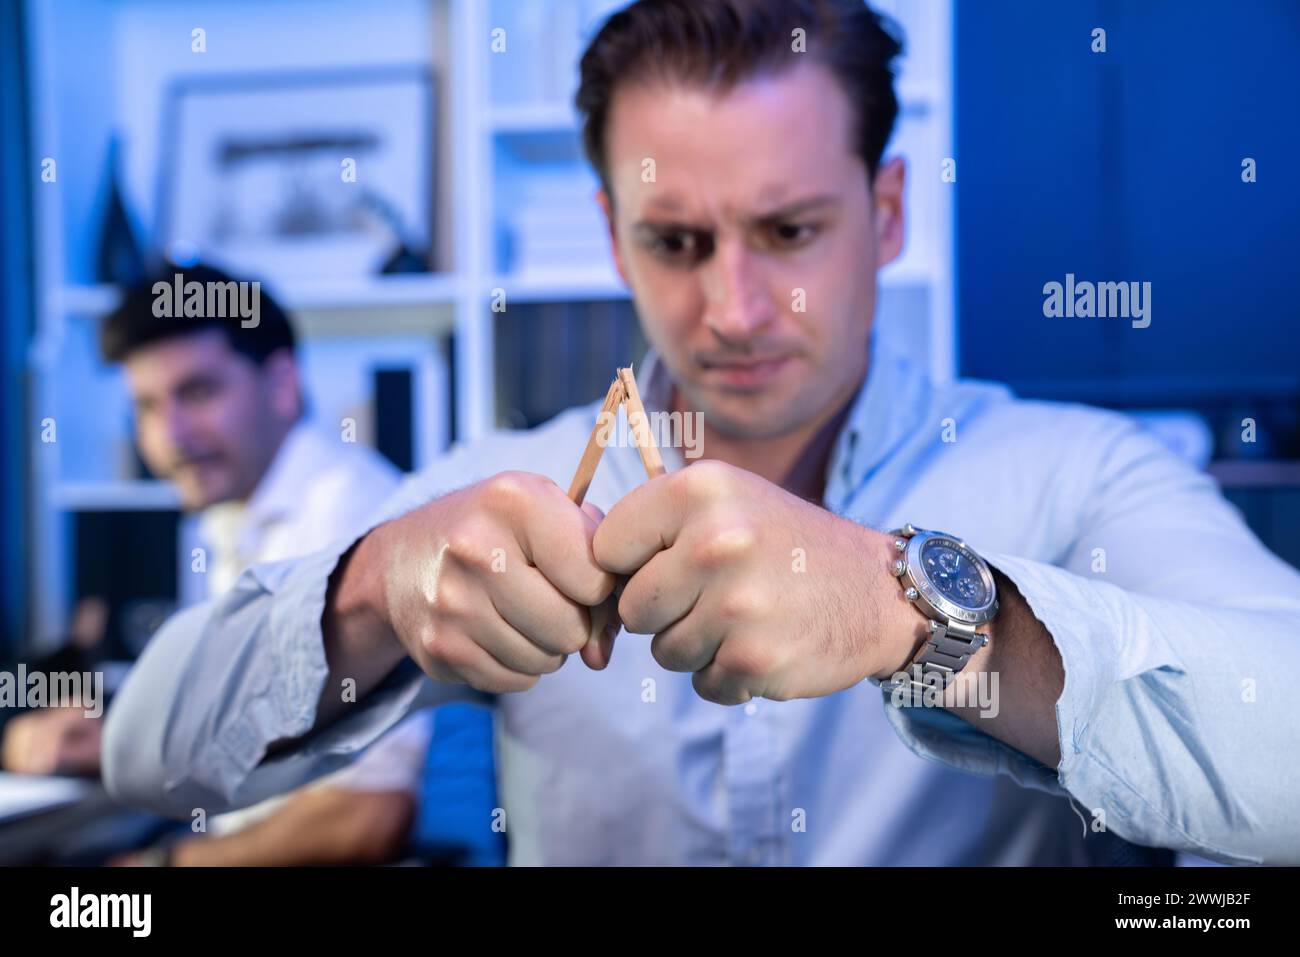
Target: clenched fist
755, 591
492, 585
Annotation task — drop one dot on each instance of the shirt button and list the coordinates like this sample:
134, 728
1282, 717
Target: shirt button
751, 709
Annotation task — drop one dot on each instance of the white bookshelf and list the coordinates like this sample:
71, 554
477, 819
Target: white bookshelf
493, 112
124, 495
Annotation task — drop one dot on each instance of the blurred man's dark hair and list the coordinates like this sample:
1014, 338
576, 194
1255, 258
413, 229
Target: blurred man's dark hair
718, 43
134, 323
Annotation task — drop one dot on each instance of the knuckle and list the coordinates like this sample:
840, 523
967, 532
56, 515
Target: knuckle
505, 491
467, 545
707, 688
630, 612
452, 599
723, 544
571, 642
427, 638
451, 655
447, 661
744, 660
707, 479
595, 588
673, 654
553, 663
744, 604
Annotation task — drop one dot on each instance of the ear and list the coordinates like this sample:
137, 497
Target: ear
887, 200
283, 387
607, 207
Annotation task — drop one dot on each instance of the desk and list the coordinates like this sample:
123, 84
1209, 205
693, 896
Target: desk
57, 820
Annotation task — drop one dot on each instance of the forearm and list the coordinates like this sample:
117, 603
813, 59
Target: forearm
1008, 689
1143, 658
318, 826
221, 711
1173, 715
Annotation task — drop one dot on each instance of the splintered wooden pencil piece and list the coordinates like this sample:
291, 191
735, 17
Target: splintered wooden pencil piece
639, 423
622, 392
595, 446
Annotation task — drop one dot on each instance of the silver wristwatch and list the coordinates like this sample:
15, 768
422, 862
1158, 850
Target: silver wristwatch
954, 588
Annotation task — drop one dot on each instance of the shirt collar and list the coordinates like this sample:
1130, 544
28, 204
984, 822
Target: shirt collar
884, 411
888, 408
300, 456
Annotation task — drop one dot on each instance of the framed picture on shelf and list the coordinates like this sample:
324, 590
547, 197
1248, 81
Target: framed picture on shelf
300, 176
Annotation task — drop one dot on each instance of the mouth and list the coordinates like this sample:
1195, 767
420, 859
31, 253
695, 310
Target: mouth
194, 464
746, 374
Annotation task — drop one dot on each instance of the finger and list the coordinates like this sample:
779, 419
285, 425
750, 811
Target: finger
475, 666
661, 592
605, 622
686, 646
556, 537
643, 522
530, 604
713, 683
507, 644
605, 626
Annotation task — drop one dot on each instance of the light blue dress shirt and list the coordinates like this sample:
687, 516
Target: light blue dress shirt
1179, 633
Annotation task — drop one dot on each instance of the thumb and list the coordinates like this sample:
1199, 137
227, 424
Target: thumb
605, 626
605, 623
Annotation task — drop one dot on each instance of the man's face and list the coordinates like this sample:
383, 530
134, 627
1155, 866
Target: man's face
752, 254
207, 417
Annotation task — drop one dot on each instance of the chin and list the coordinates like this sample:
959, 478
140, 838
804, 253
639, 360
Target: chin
763, 413
755, 421
193, 500
195, 496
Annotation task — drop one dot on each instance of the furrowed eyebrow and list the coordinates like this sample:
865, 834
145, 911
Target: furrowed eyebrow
667, 225
197, 380
787, 211
790, 210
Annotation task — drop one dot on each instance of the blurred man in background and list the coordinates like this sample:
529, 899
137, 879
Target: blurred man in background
220, 412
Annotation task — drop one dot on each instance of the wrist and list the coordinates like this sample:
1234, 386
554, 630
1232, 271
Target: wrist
900, 626
956, 593
356, 606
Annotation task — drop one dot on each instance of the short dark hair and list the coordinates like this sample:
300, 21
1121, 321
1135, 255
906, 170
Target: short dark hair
718, 43
134, 324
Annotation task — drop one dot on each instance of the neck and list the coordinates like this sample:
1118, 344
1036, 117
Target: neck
277, 446
796, 461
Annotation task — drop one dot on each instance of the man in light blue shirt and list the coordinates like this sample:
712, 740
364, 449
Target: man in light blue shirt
1139, 665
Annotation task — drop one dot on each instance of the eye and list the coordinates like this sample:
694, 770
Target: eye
674, 244
786, 235
199, 391
678, 247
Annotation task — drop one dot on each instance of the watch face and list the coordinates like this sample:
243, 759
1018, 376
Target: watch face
955, 573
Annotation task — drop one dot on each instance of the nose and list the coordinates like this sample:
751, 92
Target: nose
737, 304
177, 423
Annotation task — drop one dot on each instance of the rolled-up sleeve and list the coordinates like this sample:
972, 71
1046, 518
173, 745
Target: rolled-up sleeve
224, 680
1179, 634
